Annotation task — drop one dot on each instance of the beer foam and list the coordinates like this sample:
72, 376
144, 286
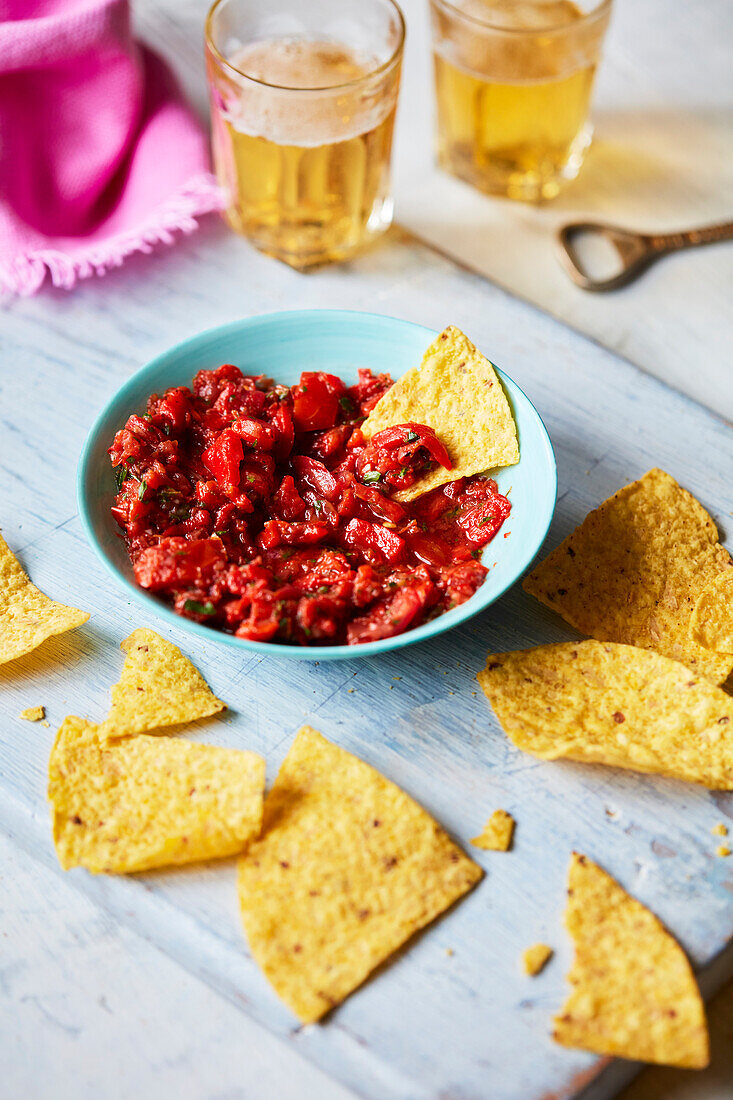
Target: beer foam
495, 53
302, 108
524, 15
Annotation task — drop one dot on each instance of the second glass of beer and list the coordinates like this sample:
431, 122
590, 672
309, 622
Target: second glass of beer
303, 100
513, 82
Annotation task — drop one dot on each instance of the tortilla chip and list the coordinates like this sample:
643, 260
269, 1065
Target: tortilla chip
457, 393
497, 833
634, 993
536, 958
711, 624
347, 869
633, 570
158, 687
720, 829
149, 801
33, 714
613, 704
27, 617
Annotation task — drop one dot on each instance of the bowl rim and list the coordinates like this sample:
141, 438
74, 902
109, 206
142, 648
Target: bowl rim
447, 621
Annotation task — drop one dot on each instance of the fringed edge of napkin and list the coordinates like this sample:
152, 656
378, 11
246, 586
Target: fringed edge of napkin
25, 274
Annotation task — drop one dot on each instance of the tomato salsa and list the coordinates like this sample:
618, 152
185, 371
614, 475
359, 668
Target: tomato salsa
262, 510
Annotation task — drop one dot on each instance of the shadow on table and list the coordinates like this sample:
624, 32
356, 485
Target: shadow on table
635, 171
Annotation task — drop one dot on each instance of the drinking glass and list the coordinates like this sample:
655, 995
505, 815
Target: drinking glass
513, 83
303, 100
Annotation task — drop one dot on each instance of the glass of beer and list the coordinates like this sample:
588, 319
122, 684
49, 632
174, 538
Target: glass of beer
513, 82
303, 99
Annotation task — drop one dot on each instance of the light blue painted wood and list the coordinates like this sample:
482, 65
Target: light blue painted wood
468, 1026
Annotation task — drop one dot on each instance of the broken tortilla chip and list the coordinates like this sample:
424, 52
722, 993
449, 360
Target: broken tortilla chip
536, 958
149, 801
634, 993
33, 714
497, 833
633, 570
158, 687
613, 704
457, 393
711, 625
27, 617
347, 869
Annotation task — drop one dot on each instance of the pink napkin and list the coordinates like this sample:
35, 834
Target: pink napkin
99, 155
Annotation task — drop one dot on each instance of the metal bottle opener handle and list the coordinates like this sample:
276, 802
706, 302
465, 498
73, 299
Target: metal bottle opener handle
636, 250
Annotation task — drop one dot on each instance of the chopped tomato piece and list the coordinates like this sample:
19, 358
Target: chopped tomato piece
177, 562
372, 539
314, 475
278, 533
481, 522
223, 458
287, 501
393, 614
396, 457
316, 401
256, 433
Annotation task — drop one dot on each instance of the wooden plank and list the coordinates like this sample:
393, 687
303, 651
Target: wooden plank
76, 984
466, 1025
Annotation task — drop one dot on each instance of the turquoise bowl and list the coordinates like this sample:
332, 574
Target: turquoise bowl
282, 345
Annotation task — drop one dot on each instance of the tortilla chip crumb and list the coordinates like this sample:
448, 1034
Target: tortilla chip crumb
535, 958
449, 951
33, 714
633, 990
720, 829
722, 850
497, 833
46, 724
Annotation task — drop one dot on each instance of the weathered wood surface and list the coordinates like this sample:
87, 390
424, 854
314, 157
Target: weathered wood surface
467, 1025
144, 986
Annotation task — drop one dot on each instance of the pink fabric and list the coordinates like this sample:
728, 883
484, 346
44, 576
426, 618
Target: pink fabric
99, 155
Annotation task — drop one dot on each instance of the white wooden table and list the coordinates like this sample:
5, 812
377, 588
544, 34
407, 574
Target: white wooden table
114, 988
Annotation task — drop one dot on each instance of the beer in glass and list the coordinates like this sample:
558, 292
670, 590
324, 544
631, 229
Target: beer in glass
513, 82
303, 100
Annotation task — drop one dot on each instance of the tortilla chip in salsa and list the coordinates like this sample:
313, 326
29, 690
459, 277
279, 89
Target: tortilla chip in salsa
457, 393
